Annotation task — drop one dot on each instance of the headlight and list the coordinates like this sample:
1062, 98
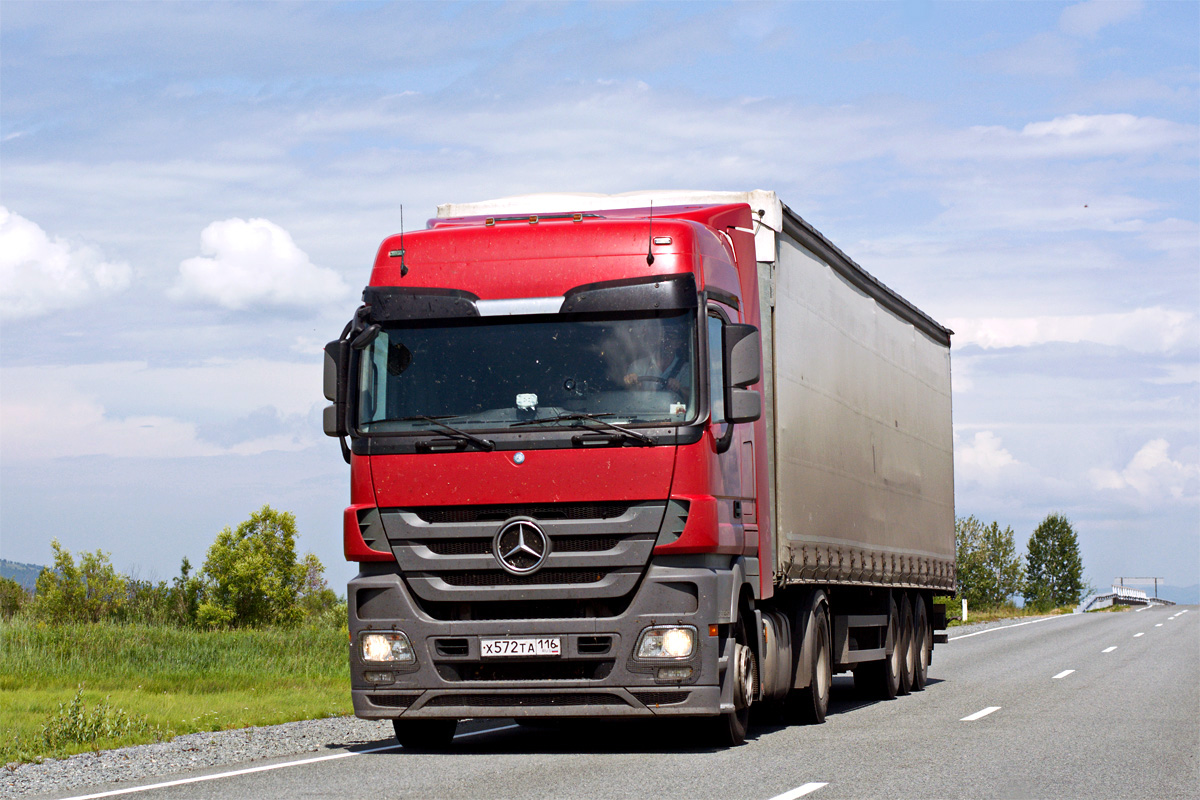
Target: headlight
677, 641
389, 646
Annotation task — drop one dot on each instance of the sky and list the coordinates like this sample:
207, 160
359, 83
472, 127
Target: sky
191, 196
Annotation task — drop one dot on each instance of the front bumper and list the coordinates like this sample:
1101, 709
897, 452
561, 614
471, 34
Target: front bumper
595, 676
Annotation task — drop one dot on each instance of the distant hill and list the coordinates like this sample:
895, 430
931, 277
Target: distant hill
24, 574
1184, 595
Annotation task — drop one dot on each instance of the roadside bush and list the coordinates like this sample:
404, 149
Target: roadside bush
251, 576
89, 592
74, 723
13, 598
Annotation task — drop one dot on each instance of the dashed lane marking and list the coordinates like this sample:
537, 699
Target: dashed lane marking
1143, 633
1063, 674
1109, 649
799, 791
980, 714
1158, 625
264, 768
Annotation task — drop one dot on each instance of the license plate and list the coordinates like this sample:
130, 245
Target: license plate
520, 647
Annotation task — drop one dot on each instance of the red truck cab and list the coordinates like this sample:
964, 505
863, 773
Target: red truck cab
558, 470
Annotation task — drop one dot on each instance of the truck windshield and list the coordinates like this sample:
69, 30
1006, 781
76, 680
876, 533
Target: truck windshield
495, 371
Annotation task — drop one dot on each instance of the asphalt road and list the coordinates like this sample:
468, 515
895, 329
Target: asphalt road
1090, 705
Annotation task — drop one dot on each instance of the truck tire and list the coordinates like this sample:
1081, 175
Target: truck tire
731, 726
906, 645
923, 637
812, 702
881, 679
425, 735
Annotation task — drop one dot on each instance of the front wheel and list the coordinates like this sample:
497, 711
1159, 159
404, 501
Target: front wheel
425, 735
731, 726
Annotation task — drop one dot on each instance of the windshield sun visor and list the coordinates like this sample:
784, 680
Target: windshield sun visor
393, 303
653, 293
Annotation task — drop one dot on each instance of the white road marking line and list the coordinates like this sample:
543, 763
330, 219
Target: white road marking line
265, 768
1158, 625
1109, 649
1140, 610
980, 714
1063, 674
1182, 611
799, 791
1139, 634
1006, 627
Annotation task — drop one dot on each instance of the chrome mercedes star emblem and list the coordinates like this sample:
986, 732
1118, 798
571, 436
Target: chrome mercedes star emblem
521, 546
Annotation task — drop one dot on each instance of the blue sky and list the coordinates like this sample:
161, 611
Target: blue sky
193, 193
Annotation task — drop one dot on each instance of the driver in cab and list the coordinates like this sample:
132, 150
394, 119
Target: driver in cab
665, 366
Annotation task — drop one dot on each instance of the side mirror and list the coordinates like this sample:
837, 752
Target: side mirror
743, 366
337, 364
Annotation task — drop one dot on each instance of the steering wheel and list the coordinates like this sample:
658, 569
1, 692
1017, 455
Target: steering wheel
661, 382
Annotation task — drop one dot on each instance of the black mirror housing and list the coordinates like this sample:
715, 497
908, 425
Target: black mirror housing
742, 405
743, 367
743, 355
337, 364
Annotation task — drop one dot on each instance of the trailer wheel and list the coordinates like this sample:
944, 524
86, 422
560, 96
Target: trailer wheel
881, 679
906, 646
731, 726
812, 702
923, 639
425, 735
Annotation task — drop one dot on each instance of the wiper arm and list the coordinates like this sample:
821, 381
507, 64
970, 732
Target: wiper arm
482, 444
578, 415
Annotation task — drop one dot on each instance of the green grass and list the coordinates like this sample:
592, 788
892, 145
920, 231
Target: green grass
165, 681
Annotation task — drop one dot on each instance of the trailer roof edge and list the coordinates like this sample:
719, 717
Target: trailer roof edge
802, 231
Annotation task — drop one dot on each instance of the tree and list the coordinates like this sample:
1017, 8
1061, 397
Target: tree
251, 575
89, 592
989, 570
1053, 566
12, 597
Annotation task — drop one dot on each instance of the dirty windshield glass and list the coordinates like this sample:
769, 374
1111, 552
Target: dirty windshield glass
493, 372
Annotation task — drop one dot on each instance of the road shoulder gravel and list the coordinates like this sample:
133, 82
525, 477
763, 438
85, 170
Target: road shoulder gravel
193, 751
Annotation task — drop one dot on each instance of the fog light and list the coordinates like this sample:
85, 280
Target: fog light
389, 646
667, 642
674, 673
379, 677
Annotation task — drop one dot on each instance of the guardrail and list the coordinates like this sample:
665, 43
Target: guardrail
1122, 596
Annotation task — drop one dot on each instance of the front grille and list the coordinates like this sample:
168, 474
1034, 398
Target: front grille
527, 671
545, 577
392, 700
540, 511
526, 700
561, 544
664, 698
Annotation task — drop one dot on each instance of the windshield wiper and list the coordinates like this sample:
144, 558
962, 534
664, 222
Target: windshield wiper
483, 444
578, 415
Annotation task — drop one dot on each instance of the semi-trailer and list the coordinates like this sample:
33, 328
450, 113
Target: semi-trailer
644, 455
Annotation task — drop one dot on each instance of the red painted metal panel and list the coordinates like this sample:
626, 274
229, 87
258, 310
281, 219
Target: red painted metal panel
546, 476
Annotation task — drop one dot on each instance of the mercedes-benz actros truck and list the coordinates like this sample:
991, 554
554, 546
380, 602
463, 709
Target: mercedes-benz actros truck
644, 455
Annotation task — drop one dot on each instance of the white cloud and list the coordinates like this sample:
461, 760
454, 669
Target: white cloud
1042, 55
130, 409
982, 460
248, 263
39, 274
1152, 475
1146, 330
1087, 19
1074, 136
